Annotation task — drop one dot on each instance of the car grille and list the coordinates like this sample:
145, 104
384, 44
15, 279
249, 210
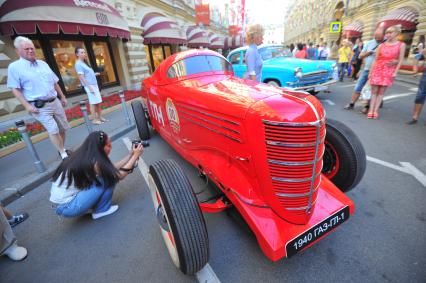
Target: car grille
313, 78
294, 153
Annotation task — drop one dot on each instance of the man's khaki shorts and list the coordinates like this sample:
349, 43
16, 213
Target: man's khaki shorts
52, 117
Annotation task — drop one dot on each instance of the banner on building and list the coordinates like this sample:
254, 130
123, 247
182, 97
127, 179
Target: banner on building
233, 30
202, 14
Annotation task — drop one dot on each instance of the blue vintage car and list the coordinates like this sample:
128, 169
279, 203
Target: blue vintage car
281, 69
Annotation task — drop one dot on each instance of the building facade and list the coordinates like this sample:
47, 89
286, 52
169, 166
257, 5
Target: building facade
309, 20
125, 39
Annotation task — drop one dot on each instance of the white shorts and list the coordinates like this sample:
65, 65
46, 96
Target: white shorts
94, 98
52, 117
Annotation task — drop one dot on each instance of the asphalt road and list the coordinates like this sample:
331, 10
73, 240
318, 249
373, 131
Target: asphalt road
384, 241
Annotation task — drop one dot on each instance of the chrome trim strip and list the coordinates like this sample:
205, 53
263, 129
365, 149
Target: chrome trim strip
299, 208
315, 73
210, 115
285, 180
297, 124
295, 195
211, 123
213, 130
291, 163
285, 144
308, 87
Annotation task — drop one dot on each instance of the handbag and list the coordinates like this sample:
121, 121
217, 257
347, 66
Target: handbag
366, 91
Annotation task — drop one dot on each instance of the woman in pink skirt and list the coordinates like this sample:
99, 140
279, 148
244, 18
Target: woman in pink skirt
389, 58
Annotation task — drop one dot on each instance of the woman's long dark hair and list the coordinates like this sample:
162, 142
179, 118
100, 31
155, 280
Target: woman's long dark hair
79, 167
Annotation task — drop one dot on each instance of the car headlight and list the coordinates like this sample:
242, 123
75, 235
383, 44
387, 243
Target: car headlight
298, 72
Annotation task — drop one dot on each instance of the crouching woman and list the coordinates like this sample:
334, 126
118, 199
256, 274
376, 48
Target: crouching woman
84, 182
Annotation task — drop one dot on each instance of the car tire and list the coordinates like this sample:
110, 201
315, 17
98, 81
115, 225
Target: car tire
344, 160
141, 120
273, 83
180, 218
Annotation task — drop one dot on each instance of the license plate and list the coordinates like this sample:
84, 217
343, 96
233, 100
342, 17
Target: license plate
297, 244
320, 88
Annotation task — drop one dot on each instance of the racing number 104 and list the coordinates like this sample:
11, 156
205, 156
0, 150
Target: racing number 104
319, 231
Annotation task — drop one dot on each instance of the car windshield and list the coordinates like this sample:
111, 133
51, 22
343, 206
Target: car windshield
274, 51
198, 64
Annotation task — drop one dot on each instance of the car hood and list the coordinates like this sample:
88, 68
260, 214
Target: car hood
292, 63
230, 95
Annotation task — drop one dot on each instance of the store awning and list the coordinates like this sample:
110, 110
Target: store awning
216, 42
160, 29
407, 17
353, 29
237, 41
92, 17
197, 37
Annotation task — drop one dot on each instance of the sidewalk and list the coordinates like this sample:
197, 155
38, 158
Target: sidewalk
18, 173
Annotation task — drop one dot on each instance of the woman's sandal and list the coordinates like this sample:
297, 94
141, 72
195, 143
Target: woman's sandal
375, 116
370, 115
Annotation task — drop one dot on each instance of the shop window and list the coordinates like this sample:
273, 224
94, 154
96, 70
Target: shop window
63, 52
103, 63
157, 53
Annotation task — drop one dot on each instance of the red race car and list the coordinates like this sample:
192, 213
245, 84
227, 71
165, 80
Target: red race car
270, 152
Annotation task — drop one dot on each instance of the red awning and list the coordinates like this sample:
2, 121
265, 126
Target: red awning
354, 29
87, 17
197, 37
407, 17
216, 42
237, 41
160, 29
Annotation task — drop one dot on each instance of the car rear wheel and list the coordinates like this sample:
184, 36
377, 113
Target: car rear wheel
179, 216
141, 120
344, 160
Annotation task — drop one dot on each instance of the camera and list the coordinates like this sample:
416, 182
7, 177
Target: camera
138, 142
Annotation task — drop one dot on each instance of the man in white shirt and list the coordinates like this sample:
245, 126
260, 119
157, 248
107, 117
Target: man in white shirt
35, 85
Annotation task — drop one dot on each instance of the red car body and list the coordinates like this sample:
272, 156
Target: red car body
234, 131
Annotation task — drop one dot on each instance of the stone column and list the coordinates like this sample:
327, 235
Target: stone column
136, 58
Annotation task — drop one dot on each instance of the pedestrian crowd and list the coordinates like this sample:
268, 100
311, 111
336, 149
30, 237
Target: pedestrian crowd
85, 180
373, 65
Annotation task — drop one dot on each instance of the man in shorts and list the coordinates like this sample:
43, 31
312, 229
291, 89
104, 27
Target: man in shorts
368, 53
421, 92
35, 85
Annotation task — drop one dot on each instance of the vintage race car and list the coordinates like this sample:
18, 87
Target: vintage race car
271, 154
280, 68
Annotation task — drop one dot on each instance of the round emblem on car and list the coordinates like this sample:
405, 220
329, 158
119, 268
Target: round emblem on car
173, 116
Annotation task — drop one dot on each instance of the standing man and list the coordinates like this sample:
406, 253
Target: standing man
36, 86
421, 92
369, 54
323, 51
312, 52
345, 53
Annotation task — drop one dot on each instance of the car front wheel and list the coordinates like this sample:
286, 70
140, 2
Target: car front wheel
179, 216
344, 160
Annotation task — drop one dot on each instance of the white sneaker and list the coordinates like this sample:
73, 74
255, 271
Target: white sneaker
111, 210
15, 252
